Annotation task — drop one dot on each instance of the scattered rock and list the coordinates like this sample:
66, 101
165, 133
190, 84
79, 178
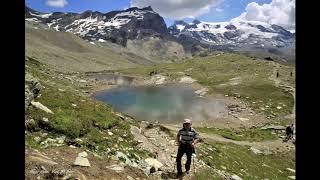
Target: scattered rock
235, 177
44, 170
61, 90
34, 171
267, 152
256, 151
41, 106
37, 139
186, 79
121, 116
157, 79
223, 167
120, 155
116, 168
74, 105
130, 178
44, 135
279, 107
243, 119
153, 163
110, 133
265, 165
81, 161
275, 127
292, 177
292, 170
72, 146
78, 140
202, 92
82, 81
45, 119
120, 139
60, 140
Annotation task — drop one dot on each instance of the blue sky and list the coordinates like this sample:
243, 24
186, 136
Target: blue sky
225, 11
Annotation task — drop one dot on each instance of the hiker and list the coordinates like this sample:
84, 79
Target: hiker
187, 137
289, 132
291, 74
277, 74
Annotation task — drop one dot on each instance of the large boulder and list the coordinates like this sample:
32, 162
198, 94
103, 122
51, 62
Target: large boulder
81, 161
38, 105
153, 163
32, 89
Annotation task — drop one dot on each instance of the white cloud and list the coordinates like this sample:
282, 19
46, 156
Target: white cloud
178, 9
57, 3
280, 12
219, 9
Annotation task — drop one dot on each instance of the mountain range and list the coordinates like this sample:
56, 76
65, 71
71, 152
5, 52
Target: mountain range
140, 25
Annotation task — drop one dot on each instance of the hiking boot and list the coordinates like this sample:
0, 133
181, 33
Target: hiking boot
179, 176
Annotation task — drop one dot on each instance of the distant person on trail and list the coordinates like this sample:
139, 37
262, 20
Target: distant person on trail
187, 137
291, 74
289, 132
277, 74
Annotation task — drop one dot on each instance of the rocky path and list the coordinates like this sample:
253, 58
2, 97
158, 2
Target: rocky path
164, 147
270, 145
284, 85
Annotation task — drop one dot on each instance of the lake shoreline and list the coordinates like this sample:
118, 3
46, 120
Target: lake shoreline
256, 119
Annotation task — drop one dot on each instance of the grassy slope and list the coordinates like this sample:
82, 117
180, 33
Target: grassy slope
243, 162
212, 71
68, 53
89, 120
253, 134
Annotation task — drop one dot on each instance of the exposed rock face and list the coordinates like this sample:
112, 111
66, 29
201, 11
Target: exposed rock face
235, 35
114, 26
